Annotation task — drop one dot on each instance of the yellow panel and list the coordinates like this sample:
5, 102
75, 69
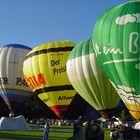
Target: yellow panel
57, 98
134, 109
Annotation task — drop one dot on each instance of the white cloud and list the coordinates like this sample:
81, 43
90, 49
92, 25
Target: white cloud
138, 17
128, 18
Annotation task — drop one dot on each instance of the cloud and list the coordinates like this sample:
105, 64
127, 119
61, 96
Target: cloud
128, 18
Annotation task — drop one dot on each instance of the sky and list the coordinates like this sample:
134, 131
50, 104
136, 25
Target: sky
35, 22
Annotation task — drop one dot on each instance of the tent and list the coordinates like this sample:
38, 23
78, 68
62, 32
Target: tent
14, 123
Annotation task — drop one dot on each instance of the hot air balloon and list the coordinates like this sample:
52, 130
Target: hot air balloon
116, 38
13, 87
89, 81
45, 72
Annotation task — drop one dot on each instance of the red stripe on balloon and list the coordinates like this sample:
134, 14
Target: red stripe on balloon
58, 109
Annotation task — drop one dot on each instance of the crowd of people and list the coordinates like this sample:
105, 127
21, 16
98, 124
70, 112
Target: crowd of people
53, 122
92, 129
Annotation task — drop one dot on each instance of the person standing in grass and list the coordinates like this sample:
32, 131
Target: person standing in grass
46, 130
37, 124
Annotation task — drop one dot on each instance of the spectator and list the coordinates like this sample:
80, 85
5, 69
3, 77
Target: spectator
11, 114
88, 131
94, 131
46, 130
77, 126
37, 124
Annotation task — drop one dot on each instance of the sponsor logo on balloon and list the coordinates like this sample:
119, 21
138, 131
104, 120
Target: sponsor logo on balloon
46, 99
4, 81
107, 50
57, 70
65, 97
137, 66
128, 18
36, 81
21, 82
53, 62
133, 48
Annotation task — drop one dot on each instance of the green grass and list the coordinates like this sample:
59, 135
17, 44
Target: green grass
34, 134
56, 133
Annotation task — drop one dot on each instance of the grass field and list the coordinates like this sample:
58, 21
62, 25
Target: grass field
56, 133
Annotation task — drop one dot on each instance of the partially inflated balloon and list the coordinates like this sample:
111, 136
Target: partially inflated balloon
45, 72
13, 87
88, 79
116, 39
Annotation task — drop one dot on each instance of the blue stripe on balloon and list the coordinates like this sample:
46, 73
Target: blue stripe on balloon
14, 95
17, 46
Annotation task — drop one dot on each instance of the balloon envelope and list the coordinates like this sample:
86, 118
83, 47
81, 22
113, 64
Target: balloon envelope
88, 79
45, 72
116, 38
13, 87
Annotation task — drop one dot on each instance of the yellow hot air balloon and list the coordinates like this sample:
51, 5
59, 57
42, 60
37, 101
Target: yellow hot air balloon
45, 72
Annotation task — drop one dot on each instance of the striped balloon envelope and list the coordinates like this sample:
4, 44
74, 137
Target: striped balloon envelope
13, 87
45, 72
88, 79
116, 37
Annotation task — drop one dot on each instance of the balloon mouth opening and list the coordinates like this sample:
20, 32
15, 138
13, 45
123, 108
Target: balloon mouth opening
106, 113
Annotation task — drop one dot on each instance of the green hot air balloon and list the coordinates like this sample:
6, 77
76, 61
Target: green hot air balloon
88, 79
116, 38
